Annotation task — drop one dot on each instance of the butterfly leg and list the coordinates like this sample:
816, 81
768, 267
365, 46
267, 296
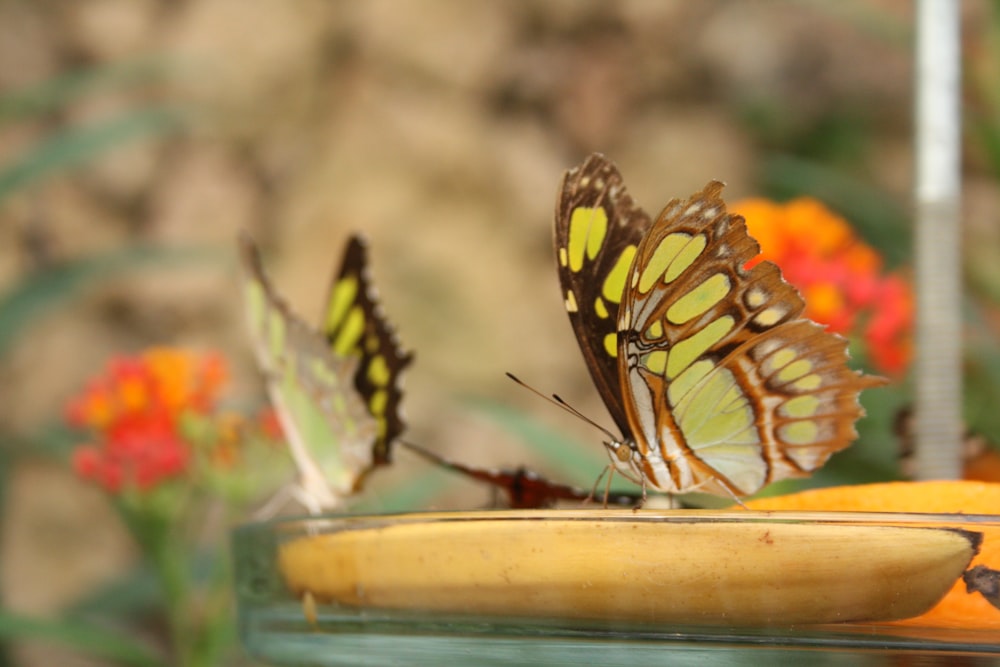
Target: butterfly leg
642, 501
607, 470
274, 504
308, 500
736, 498
732, 493
607, 485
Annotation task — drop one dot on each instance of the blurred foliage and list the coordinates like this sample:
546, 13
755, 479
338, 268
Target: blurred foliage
54, 95
95, 626
982, 79
982, 304
68, 147
74, 147
116, 646
42, 290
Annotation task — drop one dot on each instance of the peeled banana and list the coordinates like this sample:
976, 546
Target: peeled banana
700, 568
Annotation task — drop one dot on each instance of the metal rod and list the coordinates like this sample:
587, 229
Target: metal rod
938, 423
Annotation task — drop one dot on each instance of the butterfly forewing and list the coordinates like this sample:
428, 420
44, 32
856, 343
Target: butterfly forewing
329, 431
726, 387
597, 230
355, 326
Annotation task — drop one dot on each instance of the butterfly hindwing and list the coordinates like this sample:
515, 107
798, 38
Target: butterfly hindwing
597, 230
329, 431
355, 326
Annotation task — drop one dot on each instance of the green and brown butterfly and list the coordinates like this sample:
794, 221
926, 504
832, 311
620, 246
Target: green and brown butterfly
336, 391
714, 378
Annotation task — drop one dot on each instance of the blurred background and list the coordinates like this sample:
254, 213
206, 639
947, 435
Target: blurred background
137, 137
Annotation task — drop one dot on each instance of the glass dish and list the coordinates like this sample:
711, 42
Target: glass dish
603, 587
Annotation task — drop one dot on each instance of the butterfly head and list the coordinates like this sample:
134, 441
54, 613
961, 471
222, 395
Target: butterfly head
626, 459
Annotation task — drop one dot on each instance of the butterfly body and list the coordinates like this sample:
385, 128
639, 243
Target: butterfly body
707, 367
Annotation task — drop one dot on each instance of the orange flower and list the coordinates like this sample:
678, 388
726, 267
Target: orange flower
135, 408
838, 275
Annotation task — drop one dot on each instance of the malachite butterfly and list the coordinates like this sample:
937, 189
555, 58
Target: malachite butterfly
716, 381
336, 389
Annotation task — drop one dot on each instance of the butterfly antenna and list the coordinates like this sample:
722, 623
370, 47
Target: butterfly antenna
558, 400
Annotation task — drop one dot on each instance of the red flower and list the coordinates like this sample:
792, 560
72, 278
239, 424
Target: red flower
135, 409
888, 333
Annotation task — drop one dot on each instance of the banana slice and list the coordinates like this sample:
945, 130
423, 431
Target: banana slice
666, 567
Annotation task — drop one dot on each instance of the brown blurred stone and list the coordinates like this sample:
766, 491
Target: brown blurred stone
56, 516
249, 62
113, 29
204, 196
28, 46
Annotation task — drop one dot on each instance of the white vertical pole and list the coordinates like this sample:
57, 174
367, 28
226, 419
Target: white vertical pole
938, 423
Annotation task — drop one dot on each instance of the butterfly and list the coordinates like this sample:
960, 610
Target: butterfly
524, 488
336, 391
714, 378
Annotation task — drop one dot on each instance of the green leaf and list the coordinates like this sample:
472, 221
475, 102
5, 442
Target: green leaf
81, 636
45, 289
134, 593
57, 92
75, 146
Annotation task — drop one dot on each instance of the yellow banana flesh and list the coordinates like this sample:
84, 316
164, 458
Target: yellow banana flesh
625, 567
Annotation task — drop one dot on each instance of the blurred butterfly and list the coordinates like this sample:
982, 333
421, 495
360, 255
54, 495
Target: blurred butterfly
708, 369
337, 390
523, 488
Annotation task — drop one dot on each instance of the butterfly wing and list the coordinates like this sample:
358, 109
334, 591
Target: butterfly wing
355, 326
726, 386
597, 230
330, 433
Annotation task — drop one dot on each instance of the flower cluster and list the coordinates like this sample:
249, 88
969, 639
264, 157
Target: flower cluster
137, 408
840, 277
175, 462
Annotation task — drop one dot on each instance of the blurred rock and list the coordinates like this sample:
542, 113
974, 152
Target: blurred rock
113, 29
57, 515
250, 62
29, 49
204, 196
